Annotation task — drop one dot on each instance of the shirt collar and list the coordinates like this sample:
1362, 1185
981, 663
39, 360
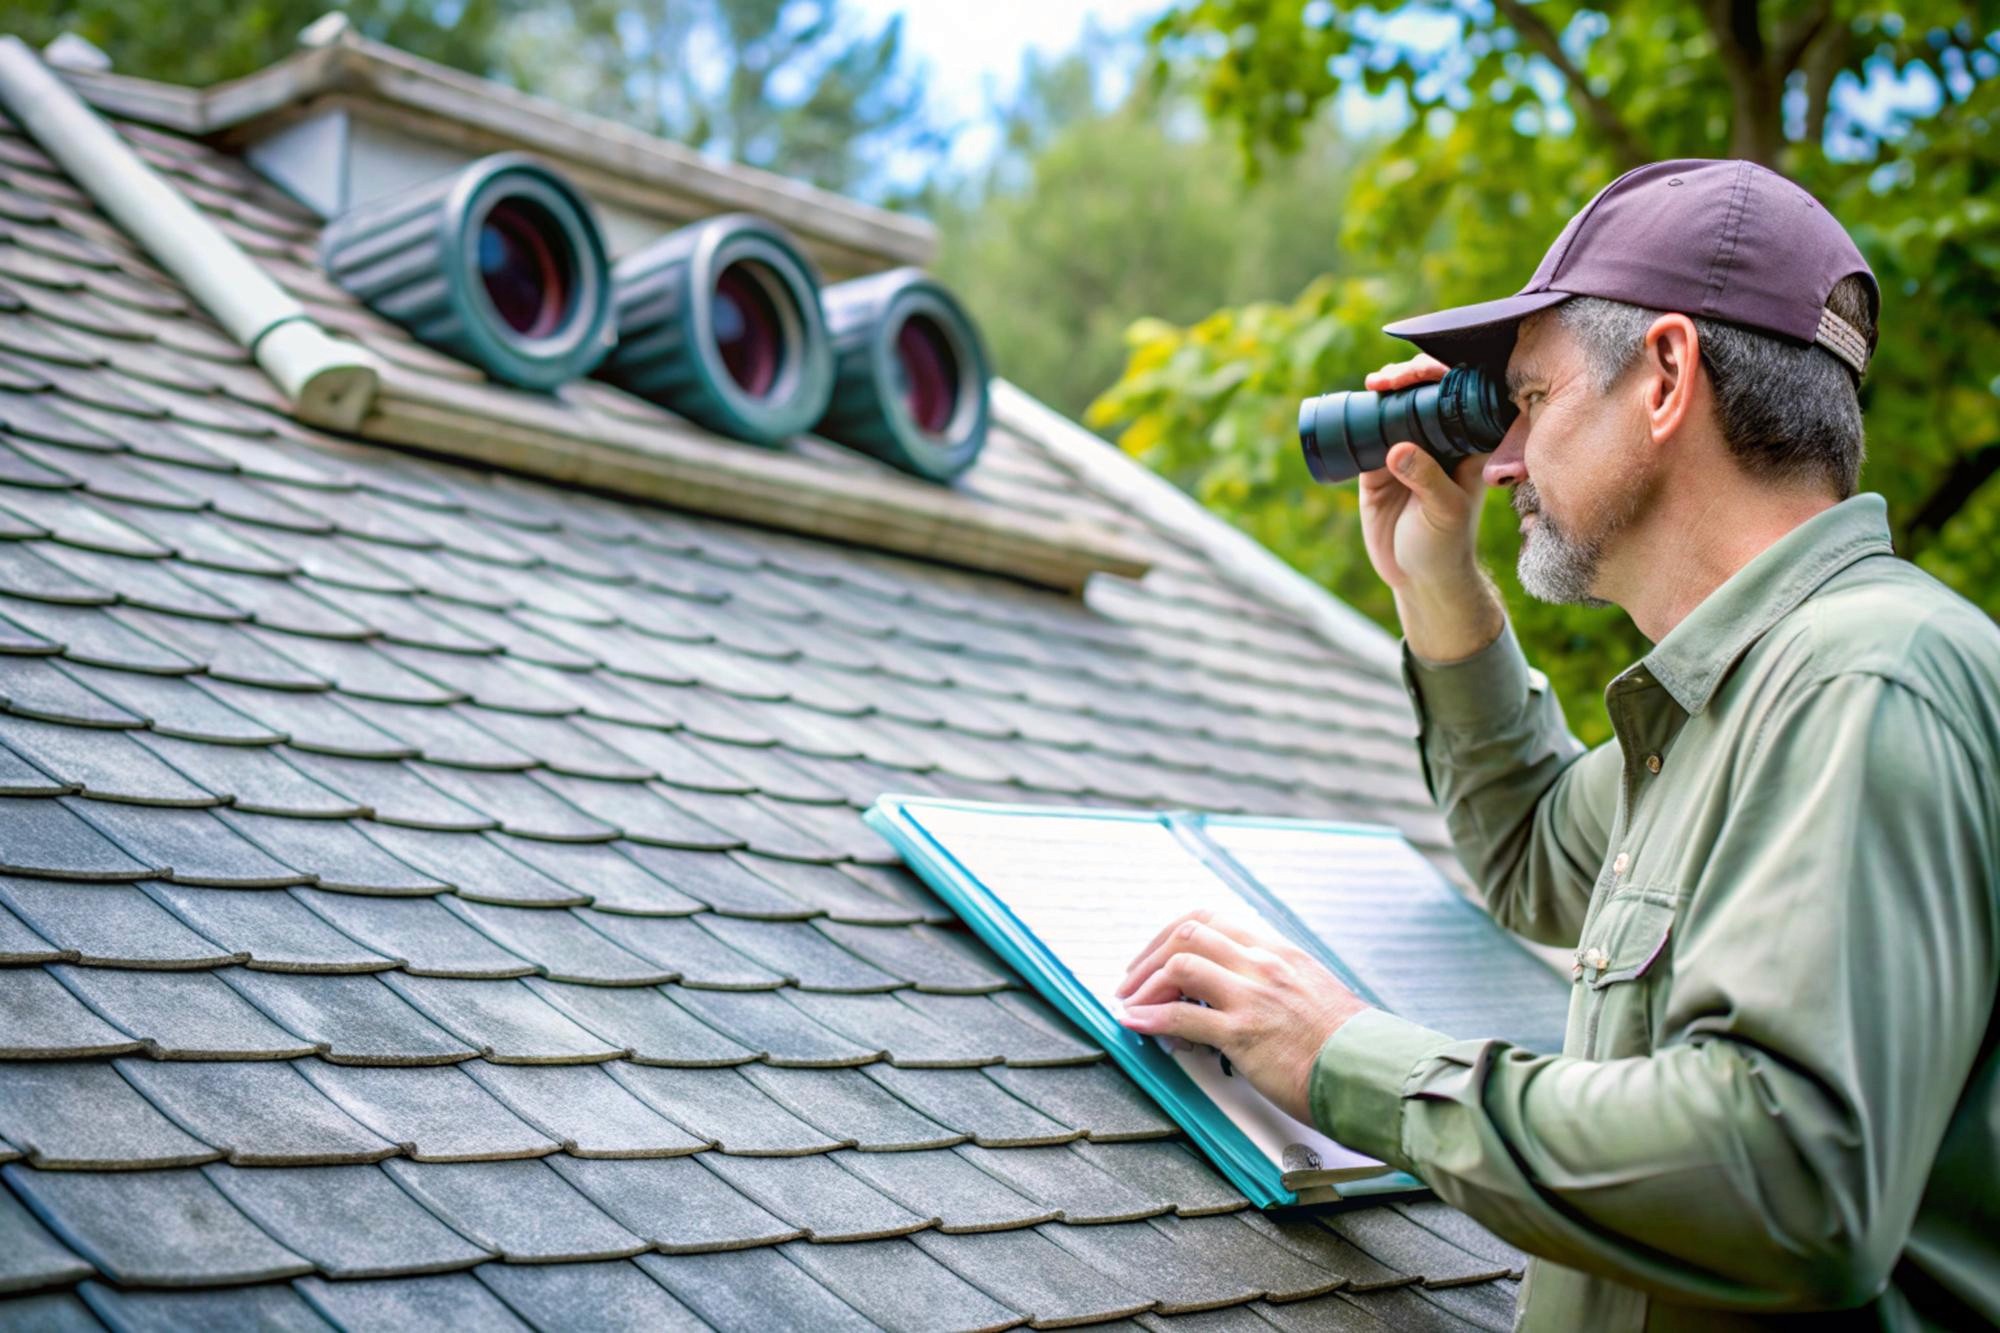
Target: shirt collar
1692, 659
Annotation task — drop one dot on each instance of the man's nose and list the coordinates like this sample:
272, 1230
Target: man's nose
1508, 464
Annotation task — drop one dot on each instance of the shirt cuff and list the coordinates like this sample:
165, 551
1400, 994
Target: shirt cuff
1359, 1078
1493, 682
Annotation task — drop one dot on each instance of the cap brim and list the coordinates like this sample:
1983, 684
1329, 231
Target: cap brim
1478, 333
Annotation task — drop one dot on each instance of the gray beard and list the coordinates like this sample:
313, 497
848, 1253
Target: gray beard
1555, 565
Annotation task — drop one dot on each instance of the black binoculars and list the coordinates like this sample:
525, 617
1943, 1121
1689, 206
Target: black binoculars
1346, 434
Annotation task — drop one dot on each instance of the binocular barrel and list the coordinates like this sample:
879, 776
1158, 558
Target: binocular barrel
1345, 434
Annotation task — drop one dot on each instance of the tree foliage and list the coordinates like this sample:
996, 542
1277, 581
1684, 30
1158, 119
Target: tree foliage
1092, 215
796, 86
1517, 114
199, 42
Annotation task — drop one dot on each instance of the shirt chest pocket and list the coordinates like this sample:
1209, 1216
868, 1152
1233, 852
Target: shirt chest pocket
1622, 964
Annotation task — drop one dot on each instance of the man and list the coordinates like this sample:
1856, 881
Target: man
1779, 1090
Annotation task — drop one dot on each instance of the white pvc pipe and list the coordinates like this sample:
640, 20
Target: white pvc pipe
331, 383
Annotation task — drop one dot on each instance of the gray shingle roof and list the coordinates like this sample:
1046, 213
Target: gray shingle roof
431, 896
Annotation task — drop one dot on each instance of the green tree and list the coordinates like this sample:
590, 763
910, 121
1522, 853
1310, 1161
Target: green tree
1517, 114
199, 42
797, 86
1093, 215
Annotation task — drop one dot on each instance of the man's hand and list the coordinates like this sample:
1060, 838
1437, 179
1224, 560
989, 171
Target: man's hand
1418, 523
1421, 528
1269, 1005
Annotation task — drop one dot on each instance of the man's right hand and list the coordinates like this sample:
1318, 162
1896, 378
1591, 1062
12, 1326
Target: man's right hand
1421, 528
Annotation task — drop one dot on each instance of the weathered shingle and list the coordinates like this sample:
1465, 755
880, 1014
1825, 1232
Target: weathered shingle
351, 1221
522, 1211
1044, 1282
642, 1019
182, 1015
109, 924
606, 1295
29, 1256
768, 1023
192, 846
168, 1228
815, 1195
750, 1289
453, 1300
262, 1113
267, 930
723, 1108
679, 1206
271, 1306
947, 1188
77, 1114
351, 1019
360, 806
971, 1103
434, 1114
899, 1286
503, 1020
584, 1109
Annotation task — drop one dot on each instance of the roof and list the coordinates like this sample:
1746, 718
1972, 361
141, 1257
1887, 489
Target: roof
337, 69
431, 894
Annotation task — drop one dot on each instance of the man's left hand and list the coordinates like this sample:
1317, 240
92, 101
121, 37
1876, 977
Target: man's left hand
1266, 1004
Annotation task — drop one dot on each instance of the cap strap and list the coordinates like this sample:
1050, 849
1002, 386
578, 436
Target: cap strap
1836, 335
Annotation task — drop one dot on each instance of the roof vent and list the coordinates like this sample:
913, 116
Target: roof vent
721, 322
910, 374
499, 263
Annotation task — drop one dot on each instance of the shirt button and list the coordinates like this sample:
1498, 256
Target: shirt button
1652, 763
1622, 863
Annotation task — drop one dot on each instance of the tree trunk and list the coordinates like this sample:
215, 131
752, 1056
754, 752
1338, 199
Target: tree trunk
1757, 68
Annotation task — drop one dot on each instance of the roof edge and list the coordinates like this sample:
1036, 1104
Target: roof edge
686, 469
645, 171
1237, 556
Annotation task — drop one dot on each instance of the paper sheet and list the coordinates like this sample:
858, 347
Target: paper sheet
1094, 891
1388, 914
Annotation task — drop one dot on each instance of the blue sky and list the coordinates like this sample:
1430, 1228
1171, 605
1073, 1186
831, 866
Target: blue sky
973, 49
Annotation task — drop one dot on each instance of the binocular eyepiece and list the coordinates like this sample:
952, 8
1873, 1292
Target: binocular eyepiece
1346, 434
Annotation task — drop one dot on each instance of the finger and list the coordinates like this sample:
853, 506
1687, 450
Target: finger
1198, 914
1401, 374
1379, 484
1190, 1022
1441, 497
1392, 376
1197, 978
1195, 937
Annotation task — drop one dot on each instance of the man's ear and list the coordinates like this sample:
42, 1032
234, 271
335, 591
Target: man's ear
1671, 357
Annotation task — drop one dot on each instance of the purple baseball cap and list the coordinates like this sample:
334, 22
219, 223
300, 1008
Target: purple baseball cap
1726, 240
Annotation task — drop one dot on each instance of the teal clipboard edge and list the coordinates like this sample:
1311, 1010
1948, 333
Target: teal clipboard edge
892, 817
1150, 1067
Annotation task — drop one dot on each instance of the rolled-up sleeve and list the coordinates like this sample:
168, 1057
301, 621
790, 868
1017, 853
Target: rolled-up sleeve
1832, 977
1528, 806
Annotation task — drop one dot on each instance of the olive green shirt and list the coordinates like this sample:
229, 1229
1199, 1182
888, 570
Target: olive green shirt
1779, 1091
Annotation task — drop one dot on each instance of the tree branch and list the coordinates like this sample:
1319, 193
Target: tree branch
1756, 131
1961, 481
1791, 40
1624, 143
1823, 59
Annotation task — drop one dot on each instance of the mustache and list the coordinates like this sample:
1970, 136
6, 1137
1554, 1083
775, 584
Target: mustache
1525, 499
